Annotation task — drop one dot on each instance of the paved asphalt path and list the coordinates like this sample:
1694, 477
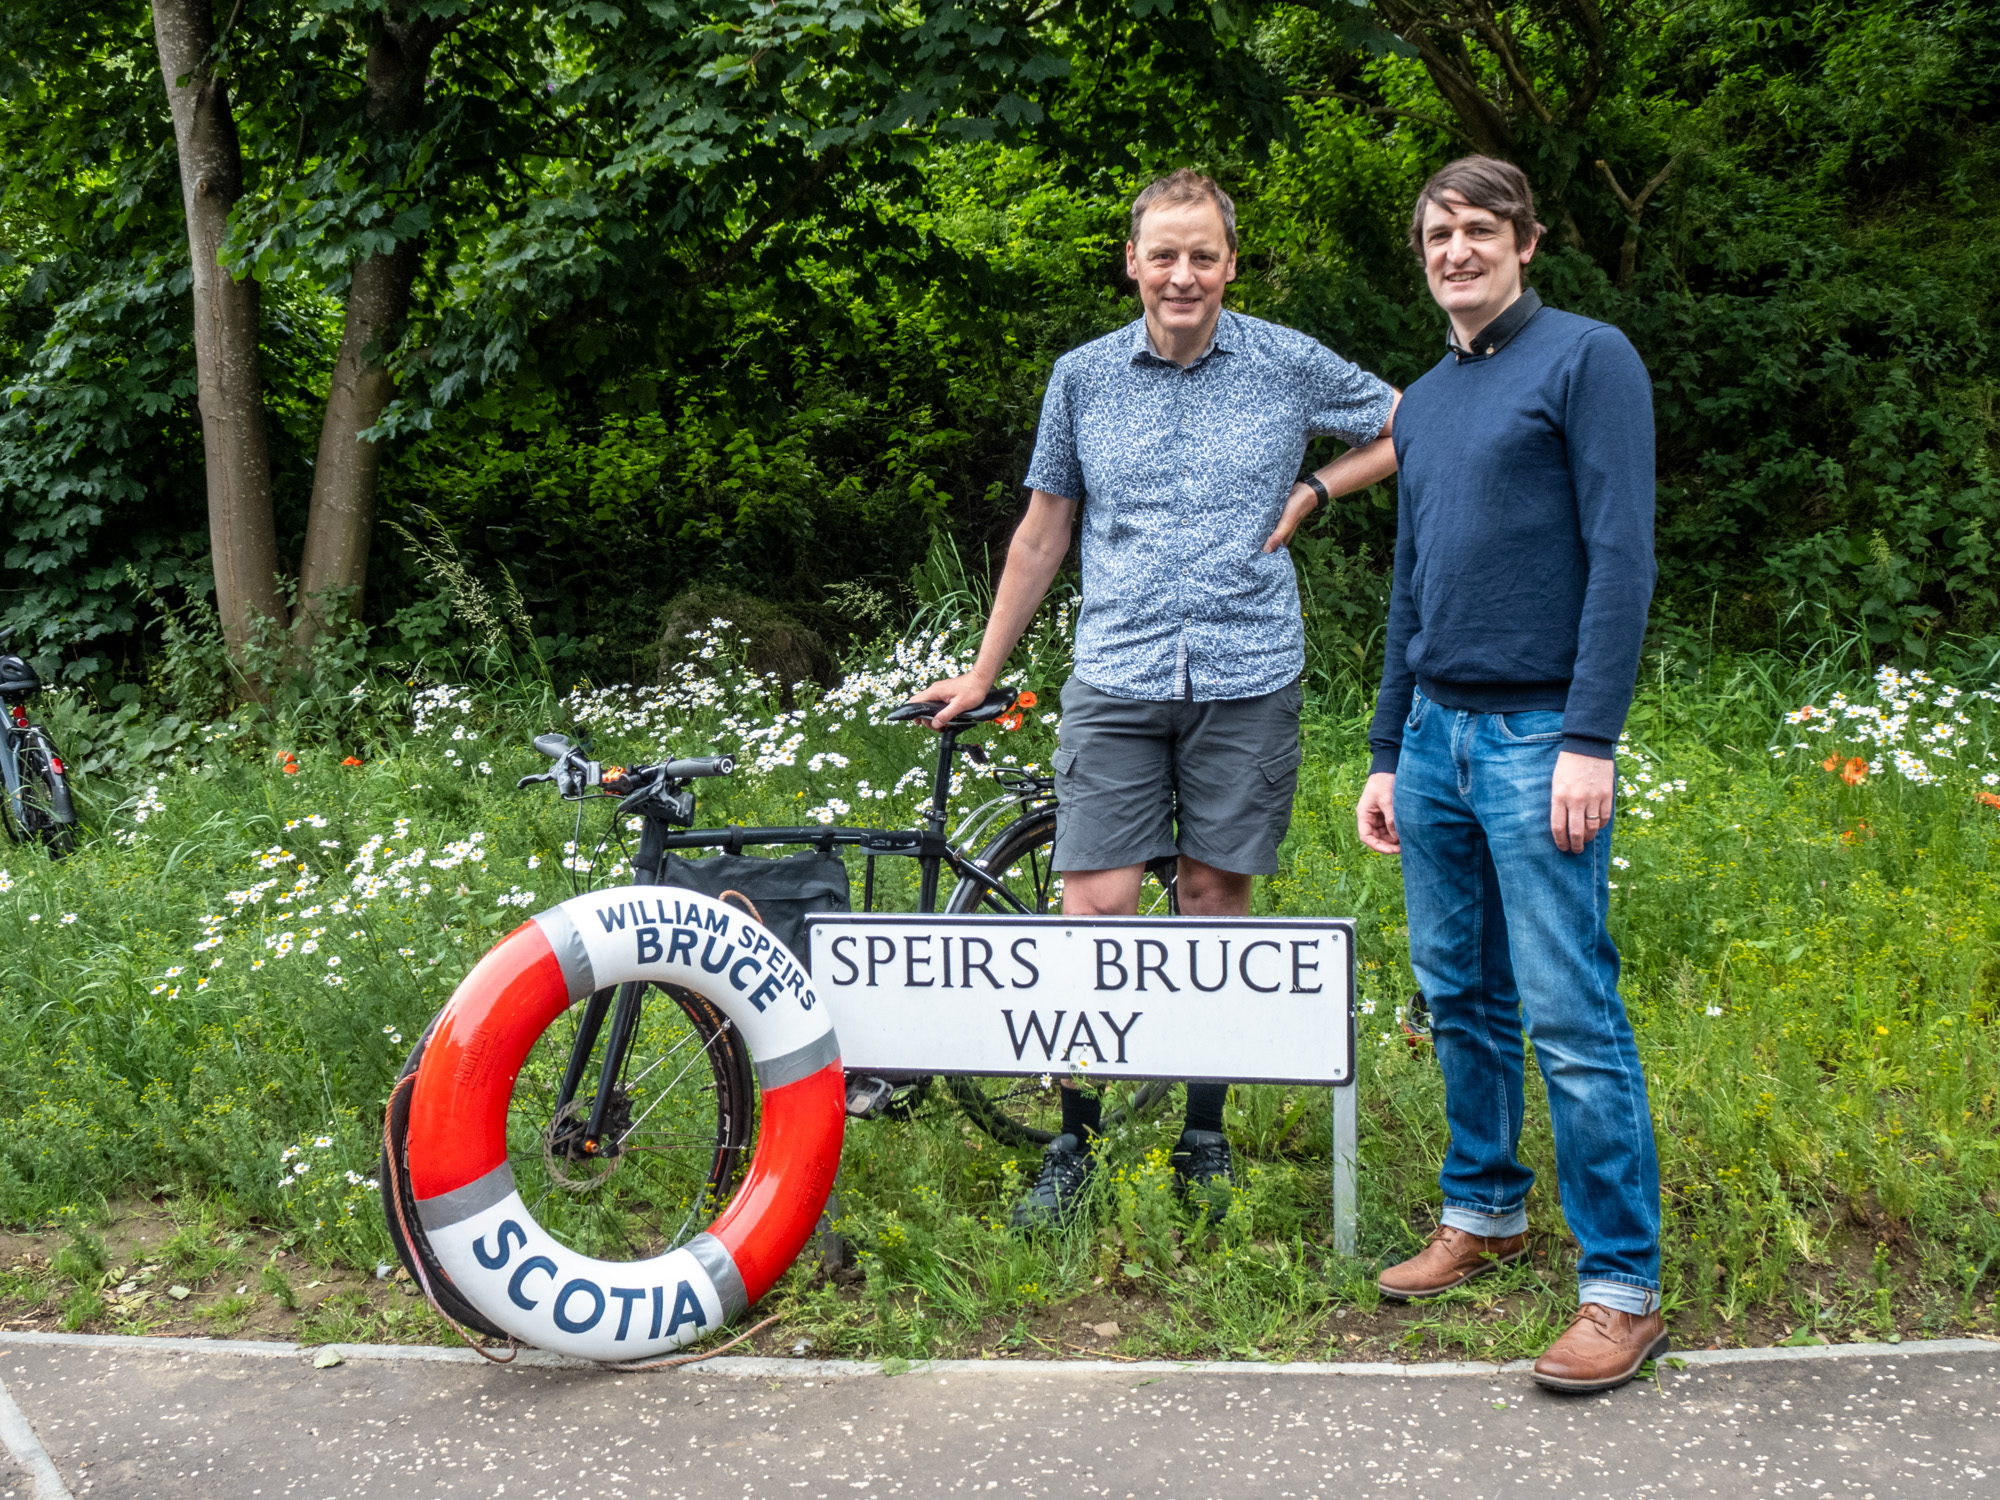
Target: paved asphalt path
194, 1421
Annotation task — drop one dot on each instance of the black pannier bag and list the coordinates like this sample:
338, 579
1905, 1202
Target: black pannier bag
784, 891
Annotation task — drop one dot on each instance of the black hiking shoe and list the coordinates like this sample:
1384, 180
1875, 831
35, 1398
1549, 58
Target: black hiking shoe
1058, 1190
1201, 1167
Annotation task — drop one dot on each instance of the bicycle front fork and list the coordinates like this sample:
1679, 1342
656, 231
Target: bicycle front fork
623, 1009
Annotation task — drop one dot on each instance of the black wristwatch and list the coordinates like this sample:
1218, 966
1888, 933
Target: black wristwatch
1311, 481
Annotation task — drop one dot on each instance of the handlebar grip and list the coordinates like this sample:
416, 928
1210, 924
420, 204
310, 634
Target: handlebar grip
701, 765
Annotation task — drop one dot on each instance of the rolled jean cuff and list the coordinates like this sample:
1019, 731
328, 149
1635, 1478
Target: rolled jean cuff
1488, 1226
1619, 1296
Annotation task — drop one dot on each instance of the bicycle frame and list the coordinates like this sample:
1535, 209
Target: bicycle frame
20, 738
663, 831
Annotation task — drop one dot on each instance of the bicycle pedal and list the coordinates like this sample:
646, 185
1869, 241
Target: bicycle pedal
868, 1096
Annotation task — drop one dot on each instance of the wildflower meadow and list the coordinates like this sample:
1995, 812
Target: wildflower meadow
205, 1006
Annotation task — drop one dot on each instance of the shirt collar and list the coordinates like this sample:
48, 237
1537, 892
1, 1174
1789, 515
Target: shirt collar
1499, 333
1221, 341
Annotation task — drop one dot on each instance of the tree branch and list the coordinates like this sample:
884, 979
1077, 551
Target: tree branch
1487, 25
1635, 206
746, 242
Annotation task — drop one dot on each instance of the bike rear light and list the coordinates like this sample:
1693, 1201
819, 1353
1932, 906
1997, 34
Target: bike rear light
56, 762
20, 714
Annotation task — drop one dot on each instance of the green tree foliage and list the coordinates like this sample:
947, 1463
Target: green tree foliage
766, 294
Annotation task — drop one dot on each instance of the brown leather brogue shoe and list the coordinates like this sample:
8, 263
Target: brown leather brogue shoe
1450, 1258
1602, 1349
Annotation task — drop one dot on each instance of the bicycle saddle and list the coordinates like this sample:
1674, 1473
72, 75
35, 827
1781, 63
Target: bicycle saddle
995, 705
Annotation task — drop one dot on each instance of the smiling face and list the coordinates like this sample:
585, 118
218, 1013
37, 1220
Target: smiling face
1472, 261
1182, 262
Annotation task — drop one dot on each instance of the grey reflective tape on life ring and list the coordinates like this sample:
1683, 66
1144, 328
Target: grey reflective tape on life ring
568, 945
713, 1256
801, 1062
460, 1204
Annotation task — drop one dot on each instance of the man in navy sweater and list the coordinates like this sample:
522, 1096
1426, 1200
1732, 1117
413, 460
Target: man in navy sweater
1524, 567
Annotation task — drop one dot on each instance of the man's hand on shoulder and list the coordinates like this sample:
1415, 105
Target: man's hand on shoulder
1580, 799
957, 694
1376, 814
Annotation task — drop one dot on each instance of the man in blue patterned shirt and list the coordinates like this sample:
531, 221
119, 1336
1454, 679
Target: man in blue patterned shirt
1180, 437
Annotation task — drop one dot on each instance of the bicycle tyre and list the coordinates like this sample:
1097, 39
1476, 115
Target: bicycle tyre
730, 1080
47, 816
1014, 1111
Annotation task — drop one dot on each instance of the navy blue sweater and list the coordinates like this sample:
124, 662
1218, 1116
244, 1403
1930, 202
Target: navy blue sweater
1524, 534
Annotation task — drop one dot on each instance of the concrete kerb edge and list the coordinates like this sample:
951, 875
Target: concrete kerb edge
760, 1367
18, 1437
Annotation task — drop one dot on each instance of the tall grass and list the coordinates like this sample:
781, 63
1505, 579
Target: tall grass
1809, 958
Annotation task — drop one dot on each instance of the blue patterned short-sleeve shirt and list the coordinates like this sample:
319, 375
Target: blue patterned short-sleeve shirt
1182, 474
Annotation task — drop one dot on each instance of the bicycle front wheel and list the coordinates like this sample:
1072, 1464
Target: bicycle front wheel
1027, 1112
679, 1127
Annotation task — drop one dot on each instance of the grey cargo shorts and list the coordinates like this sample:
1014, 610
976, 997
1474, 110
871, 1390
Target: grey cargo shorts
1137, 780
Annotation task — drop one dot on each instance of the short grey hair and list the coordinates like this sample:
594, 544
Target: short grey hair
1186, 185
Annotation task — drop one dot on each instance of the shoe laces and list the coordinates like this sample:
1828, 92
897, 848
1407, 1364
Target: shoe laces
1600, 1317
1063, 1168
1203, 1159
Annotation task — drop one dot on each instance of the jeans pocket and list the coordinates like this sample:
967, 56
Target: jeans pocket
1418, 703
1534, 727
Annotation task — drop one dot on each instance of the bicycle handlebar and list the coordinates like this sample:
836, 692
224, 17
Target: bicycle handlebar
701, 765
573, 774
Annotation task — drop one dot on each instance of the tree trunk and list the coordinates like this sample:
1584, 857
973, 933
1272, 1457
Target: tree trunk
334, 569
228, 381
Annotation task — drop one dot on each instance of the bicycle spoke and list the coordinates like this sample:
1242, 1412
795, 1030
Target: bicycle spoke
671, 1122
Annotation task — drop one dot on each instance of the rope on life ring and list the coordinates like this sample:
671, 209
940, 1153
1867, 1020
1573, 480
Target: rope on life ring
498, 1258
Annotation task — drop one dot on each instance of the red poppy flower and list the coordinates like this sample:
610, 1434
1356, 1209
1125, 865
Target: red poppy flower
1026, 700
1855, 771
1009, 721
1831, 763
1989, 799
352, 760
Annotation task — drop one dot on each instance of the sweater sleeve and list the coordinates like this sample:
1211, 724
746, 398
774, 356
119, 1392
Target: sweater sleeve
1399, 679
1608, 430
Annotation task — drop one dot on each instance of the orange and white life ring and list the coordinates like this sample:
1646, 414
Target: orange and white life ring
498, 1257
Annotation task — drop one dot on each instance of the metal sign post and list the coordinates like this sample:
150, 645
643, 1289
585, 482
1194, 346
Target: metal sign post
1232, 999
1346, 1143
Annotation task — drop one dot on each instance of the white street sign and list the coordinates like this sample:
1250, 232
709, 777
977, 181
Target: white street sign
1249, 1000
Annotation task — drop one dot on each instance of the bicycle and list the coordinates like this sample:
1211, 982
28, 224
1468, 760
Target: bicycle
37, 806
656, 1146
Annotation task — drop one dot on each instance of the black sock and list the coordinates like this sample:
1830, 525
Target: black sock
1204, 1106
1081, 1113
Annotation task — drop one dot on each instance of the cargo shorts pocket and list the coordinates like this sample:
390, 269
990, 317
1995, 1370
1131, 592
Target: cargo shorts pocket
1064, 761
1285, 764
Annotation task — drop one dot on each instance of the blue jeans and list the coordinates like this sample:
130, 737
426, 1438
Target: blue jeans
1505, 926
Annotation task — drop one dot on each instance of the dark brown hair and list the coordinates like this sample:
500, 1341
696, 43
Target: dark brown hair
1186, 186
1499, 187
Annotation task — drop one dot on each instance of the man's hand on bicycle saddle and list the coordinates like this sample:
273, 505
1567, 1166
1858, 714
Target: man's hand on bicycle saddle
957, 694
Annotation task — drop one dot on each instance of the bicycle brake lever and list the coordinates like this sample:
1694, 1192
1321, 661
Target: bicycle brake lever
527, 781
640, 794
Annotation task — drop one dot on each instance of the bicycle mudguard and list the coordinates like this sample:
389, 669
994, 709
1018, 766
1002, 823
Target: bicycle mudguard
503, 1262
